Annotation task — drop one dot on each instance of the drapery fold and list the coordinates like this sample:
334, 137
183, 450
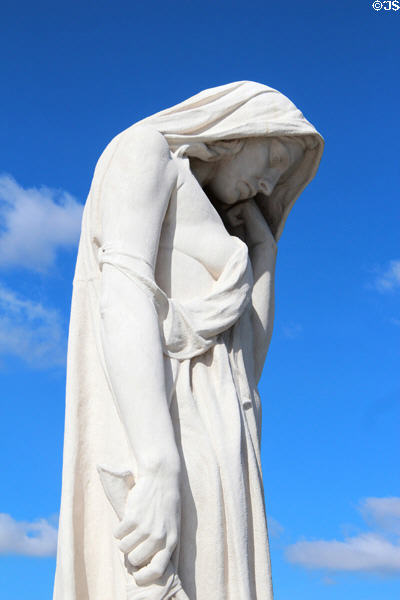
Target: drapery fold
189, 328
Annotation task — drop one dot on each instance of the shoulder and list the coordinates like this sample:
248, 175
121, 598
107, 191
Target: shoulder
142, 159
141, 170
145, 142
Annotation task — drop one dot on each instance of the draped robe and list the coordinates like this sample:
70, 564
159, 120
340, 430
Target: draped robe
214, 405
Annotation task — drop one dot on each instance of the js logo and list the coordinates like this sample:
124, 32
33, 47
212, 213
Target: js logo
386, 5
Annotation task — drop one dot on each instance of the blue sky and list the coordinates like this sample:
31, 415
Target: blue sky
75, 74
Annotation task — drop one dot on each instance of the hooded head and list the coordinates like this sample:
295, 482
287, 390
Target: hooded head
199, 127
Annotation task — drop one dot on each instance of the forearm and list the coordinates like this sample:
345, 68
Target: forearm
134, 360
263, 259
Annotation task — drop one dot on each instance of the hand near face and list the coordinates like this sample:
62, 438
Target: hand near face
248, 223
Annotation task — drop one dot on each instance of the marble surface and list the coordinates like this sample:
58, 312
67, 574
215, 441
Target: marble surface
171, 320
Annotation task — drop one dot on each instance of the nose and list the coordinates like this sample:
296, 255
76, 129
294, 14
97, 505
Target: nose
265, 186
267, 183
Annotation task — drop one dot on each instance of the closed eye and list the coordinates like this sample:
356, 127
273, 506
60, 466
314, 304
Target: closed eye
278, 155
275, 160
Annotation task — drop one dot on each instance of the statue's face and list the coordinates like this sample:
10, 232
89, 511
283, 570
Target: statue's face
256, 168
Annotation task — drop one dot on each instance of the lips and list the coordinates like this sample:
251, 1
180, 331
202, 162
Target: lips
246, 190
252, 190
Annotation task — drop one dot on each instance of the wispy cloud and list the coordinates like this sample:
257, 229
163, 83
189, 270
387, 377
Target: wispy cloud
388, 279
376, 552
292, 330
38, 538
275, 529
35, 223
30, 331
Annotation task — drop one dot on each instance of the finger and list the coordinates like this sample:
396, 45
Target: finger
236, 221
144, 552
234, 215
130, 541
247, 207
125, 527
155, 569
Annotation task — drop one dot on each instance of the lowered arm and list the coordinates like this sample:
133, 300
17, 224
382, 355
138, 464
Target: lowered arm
135, 195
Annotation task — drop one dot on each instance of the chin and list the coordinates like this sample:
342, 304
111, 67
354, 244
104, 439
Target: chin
223, 195
231, 197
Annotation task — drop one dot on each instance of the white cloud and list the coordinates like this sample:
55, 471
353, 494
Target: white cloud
383, 513
369, 552
35, 223
389, 279
38, 538
30, 331
376, 552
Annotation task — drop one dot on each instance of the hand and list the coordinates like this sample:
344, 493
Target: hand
233, 220
150, 527
247, 220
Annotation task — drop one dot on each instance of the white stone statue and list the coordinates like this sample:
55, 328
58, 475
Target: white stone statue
171, 320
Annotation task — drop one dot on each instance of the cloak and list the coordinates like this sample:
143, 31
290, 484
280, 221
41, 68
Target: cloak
223, 552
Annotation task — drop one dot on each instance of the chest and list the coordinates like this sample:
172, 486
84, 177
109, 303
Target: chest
194, 244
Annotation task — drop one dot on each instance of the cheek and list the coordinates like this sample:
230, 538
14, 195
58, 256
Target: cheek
224, 188
275, 174
225, 179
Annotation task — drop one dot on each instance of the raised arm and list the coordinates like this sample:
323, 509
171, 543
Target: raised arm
263, 260
253, 228
135, 195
